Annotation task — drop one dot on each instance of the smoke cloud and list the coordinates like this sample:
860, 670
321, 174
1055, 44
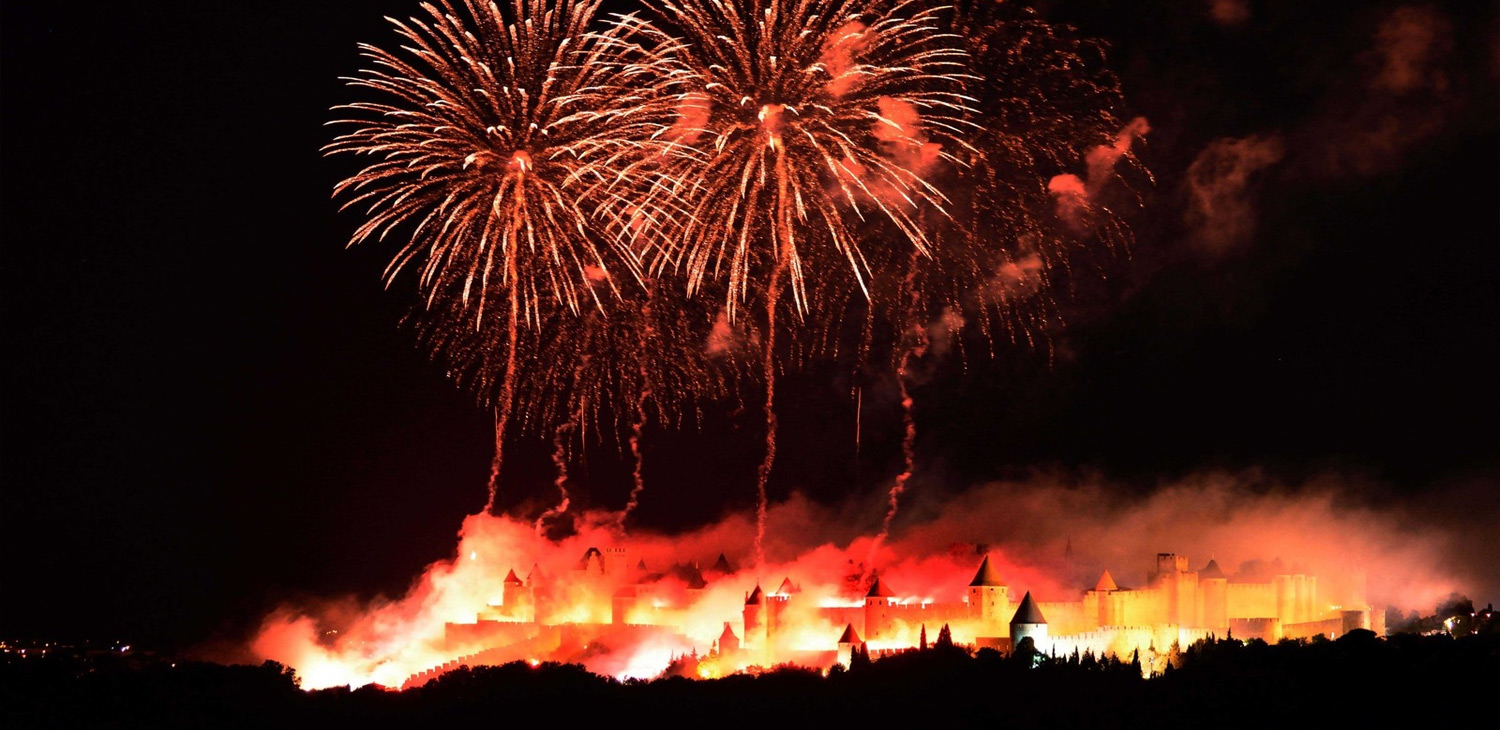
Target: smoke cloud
693, 111
1075, 195
1229, 12
900, 132
1048, 535
1221, 195
1405, 96
840, 56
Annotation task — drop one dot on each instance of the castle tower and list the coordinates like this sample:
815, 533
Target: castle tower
1301, 605
776, 604
1179, 587
1286, 600
516, 597
592, 563
1029, 622
754, 617
721, 567
1213, 598
848, 642
617, 562
536, 586
622, 603
729, 644
1107, 605
878, 607
989, 598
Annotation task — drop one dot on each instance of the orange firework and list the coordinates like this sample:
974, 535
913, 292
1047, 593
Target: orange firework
1019, 222
797, 121
494, 151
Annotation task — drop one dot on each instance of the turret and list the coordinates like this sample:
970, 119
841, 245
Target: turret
538, 588
878, 603
729, 644
516, 597
624, 600
849, 641
617, 562
592, 562
1286, 599
989, 597
1029, 622
755, 624
1108, 604
776, 604
1179, 586
1213, 595
721, 567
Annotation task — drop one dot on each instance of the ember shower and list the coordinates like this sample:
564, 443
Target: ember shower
610, 220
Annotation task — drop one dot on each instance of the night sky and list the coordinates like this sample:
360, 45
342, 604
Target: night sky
210, 405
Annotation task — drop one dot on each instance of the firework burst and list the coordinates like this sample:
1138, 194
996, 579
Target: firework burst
798, 121
796, 117
1019, 223
494, 149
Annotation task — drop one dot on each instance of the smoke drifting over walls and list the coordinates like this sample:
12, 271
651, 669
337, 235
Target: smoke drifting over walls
1221, 190
1048, 536
1072, 532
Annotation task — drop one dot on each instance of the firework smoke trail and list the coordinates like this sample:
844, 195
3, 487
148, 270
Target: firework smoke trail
804, 114
768, 371
560, 443
637, 475
638, 424
502, 409
916, 347
560, 463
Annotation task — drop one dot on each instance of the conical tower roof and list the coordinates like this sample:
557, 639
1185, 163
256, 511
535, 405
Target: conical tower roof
1212, 570
850, 636
728, 634
878, 590
1028, 613
1106, 583
722, 565
788, 587
511, 577
988, 575
756, 596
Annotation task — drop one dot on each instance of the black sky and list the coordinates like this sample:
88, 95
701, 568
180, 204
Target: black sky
209, 405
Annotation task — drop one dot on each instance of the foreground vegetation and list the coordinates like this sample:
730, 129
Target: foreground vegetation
1357, 680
